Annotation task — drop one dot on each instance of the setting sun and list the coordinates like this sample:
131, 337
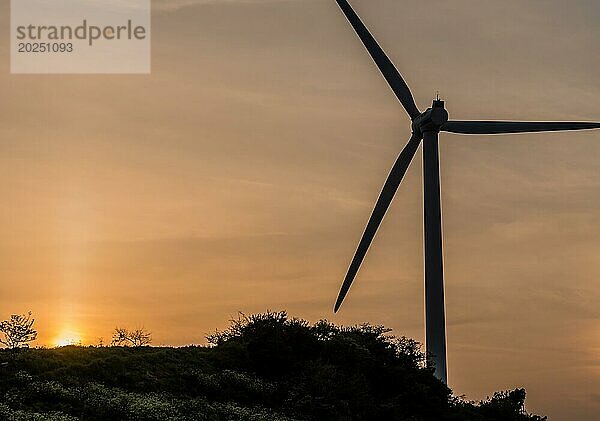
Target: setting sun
67, 338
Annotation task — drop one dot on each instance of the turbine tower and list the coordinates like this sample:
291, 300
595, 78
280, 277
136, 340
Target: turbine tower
426, 127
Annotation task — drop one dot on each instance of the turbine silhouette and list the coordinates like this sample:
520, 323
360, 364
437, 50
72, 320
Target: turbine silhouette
426, 127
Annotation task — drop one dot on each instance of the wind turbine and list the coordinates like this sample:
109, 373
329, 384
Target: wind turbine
426, 127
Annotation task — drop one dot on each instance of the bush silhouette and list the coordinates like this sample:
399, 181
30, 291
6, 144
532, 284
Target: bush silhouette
264, 367
125, 337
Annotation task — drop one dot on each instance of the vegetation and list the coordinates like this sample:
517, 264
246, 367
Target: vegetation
264, 367
126, 337
18, 331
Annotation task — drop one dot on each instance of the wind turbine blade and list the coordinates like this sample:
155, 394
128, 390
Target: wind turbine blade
387, 68
381, 207
502, 127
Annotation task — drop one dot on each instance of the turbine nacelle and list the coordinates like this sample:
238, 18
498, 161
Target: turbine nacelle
432, 119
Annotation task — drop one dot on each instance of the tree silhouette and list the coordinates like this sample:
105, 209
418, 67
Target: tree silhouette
18, 331
124, 337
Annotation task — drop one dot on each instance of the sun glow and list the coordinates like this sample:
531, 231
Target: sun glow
68, 337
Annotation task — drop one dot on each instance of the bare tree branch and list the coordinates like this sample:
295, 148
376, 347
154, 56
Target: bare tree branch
137, 338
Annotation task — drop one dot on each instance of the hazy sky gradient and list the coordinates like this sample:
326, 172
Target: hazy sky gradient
240, 174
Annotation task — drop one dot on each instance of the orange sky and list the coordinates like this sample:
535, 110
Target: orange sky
239, 175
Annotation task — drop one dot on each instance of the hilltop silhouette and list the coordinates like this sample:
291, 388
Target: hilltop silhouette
264, 367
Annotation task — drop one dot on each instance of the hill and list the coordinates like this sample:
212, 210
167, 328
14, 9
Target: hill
264, 367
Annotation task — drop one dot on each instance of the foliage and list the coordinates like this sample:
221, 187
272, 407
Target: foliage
503, 404
264, 367
18, 331
126, 337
